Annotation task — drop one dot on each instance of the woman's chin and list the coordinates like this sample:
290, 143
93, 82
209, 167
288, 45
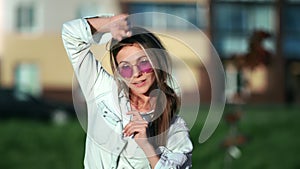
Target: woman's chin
139, 90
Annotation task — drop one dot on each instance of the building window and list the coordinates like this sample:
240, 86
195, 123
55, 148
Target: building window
291, 30
26, 20
233, 22
153, 15
27, 80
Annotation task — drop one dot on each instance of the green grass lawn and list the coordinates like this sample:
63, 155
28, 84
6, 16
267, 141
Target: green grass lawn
37, 145
272, 132
273, 140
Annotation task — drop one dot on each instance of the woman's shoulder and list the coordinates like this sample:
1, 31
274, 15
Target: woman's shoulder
178, 123
177, 119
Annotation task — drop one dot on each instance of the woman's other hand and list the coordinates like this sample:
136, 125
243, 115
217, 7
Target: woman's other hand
137, 127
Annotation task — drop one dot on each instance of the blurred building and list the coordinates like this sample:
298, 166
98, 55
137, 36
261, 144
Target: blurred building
1, 33
32, 56
234, 24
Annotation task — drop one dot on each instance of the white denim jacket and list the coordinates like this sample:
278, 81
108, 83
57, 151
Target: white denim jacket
106, 148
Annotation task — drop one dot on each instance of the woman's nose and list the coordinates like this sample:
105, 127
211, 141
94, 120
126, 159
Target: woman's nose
136, 71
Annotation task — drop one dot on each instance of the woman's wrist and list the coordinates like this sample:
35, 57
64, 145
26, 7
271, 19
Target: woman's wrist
151, 154
116, 25
99, 24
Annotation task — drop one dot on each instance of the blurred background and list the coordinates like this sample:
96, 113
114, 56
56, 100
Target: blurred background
258, 42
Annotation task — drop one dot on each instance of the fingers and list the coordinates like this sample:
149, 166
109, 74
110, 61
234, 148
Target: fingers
118, 35
137, 128
135, 115
120, 17
119, 27
137, 125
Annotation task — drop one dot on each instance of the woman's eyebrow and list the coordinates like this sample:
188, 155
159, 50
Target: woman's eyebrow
142, 56
136, 60
123, 61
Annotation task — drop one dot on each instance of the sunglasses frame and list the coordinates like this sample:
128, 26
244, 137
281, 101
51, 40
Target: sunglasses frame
140, 61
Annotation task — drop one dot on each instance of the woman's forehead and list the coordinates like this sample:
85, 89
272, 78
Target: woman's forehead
130, 53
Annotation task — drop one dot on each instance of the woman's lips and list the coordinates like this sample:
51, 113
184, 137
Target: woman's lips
140, 83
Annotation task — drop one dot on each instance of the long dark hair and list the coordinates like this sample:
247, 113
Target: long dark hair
160, 61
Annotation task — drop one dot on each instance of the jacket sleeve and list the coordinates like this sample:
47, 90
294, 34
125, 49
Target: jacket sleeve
177, 153
77, 40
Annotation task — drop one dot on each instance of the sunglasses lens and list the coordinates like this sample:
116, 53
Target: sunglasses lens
145, 66
126, 71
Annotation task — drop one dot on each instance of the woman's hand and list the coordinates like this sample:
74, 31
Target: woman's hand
116, 25
137, 127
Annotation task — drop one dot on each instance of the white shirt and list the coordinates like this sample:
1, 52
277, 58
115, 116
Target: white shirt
106, 148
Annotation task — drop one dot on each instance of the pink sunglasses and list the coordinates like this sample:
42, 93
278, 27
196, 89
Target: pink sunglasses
126, 69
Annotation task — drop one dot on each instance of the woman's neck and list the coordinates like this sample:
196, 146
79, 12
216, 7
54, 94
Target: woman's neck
140, 102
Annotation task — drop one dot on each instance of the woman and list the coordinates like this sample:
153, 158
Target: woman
132, 121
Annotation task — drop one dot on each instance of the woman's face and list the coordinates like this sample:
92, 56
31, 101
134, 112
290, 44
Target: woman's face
135, 68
